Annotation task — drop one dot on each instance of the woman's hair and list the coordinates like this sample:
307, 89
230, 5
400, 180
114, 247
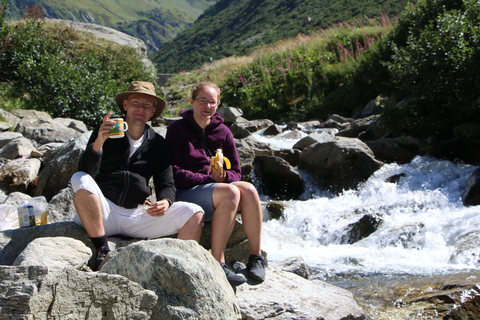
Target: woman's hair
202, 85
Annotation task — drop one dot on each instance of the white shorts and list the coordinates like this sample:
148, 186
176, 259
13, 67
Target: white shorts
135, 222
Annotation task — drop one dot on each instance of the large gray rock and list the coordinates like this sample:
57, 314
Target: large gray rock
358, 126
17, 148
399, 150
13, 242
255, 125
17, 175
54, 252
62, 164
189, 282
61, 207
340, 163
36, 292
43, 129
6, 137
73, 124
230, 114
279, 179
312, 139
304, 299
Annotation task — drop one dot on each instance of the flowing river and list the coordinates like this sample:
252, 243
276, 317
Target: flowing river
423, 220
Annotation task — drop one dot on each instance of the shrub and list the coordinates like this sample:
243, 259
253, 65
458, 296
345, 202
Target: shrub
434, 66
52, 72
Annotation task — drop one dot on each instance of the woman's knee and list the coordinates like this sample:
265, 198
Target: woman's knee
227, 190
224, 192
247, 190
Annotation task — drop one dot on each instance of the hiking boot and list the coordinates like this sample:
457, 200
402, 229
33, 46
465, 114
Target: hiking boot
256, 267
99, 258
232, 277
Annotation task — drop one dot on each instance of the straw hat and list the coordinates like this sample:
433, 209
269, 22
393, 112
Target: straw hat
145, 88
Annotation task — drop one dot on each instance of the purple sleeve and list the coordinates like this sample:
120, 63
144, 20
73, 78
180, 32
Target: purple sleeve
190, 166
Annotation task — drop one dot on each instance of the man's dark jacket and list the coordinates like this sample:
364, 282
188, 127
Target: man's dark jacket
125, 181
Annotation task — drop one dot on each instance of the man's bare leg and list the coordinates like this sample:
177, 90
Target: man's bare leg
89, 210
192, 230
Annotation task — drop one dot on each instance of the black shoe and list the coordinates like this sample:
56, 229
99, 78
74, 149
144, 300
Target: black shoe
256, 267
99, 258
232, 277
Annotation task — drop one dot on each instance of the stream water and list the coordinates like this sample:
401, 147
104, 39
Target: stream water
423, 222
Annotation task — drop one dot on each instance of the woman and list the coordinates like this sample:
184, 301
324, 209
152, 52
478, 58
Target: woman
193, 141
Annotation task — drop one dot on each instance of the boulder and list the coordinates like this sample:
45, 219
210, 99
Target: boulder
63, 163
471, 196
275, 210
190, 283
11, 119
230, 114
358, 126
279, 179
61, 206
17, 148
272, 130
312, 139
73, 124
18, 175
304, 299
43, 129
254, 125
340, 163
296, 265
13, 242
37, 292
54, 252
400, 150
239, 132
292, 156
6, 137
254, 146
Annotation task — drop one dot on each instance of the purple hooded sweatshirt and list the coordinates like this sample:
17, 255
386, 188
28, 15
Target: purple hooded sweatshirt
190, 160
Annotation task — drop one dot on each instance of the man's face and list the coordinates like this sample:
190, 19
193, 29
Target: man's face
139, 107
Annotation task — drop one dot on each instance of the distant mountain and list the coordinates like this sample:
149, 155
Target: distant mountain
153, 21
236, 27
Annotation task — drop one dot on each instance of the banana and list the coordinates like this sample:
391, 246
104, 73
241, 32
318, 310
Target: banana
43, 219
219, 158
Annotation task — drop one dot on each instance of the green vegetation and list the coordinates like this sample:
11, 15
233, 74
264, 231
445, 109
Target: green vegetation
429, 61
155, 22
235, 28
54, 69
436, 67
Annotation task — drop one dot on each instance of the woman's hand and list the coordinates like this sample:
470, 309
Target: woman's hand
159, 208
217, 174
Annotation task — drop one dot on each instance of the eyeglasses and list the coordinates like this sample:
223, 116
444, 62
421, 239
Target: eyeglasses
211, 102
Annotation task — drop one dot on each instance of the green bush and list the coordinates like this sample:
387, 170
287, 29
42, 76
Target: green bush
435, 67
312, 79
49, 71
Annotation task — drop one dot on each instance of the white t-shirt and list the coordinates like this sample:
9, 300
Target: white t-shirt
134, 144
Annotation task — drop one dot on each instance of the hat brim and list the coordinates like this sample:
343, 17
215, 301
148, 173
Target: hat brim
160, 103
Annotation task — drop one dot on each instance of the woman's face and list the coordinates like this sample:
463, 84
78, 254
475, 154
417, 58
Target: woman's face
205, 105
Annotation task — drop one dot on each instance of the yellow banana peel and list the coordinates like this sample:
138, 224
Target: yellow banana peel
219, 158
43, 219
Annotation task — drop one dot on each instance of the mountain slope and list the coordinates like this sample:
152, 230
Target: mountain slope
154, 21
237, 27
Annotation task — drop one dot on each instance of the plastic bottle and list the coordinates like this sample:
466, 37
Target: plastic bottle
26, 215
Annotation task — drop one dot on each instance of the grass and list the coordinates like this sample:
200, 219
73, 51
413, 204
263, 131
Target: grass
293, 77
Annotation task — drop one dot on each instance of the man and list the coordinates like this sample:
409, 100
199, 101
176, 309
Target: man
113, 179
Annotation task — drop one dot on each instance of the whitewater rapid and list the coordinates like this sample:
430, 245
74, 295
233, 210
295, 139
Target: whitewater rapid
422, 218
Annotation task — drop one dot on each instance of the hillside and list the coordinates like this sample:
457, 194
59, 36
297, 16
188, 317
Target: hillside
155, 22
237, 27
